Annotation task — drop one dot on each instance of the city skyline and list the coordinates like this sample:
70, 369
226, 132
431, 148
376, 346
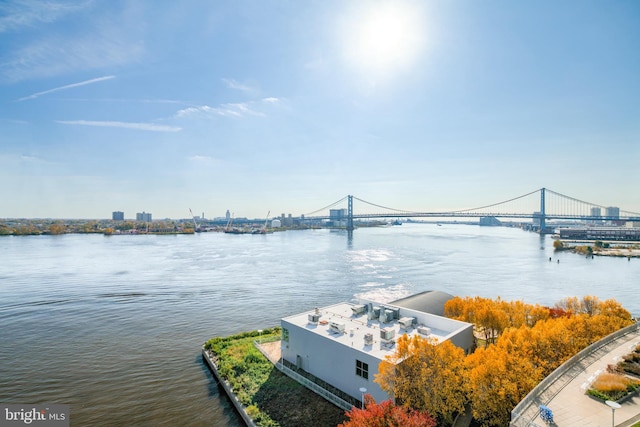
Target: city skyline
290, 106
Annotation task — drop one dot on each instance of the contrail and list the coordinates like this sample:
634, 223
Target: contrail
57, 89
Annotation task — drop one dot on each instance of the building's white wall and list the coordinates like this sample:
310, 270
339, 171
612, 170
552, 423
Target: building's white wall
463, 338
331, 361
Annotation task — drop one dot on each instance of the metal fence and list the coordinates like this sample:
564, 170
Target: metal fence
524, 414
311, 385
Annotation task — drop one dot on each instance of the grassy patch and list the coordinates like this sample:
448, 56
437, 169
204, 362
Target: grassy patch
271, 398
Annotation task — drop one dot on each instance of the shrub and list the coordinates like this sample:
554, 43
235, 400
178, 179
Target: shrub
610, 382
610, 386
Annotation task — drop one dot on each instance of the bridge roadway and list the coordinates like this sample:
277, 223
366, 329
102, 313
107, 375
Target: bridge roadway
564, 390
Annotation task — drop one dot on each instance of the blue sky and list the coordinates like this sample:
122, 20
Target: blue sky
287, 106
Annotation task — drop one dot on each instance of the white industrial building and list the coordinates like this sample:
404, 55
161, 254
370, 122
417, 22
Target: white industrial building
343, 344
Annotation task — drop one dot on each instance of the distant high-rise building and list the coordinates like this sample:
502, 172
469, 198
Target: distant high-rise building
612, 212
117, 216
228, 215
337, 214
143, 216
596, 213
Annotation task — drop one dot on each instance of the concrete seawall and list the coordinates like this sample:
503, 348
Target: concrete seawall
209, 358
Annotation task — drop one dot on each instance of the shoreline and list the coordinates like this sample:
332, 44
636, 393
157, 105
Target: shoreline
208, 357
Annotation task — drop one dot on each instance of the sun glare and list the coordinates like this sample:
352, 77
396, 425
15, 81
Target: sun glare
384, 39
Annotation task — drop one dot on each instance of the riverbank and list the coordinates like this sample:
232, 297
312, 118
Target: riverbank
591, 248
260, 393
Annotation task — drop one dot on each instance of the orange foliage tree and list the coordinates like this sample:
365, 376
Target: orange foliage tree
502, 374
492, 317
427, 376
529, 342
386, 414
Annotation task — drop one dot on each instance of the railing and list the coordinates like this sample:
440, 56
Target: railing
518, 414
314, 387
313, 383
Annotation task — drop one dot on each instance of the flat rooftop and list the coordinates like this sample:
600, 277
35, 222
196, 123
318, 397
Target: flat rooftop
349, 324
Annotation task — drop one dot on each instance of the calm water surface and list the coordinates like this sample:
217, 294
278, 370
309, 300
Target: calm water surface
113, 326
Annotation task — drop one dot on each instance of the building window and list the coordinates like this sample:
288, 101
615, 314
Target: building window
362, 369
285, 335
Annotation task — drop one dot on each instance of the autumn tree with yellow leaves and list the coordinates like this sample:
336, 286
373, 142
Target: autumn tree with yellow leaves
417, 369
524, 344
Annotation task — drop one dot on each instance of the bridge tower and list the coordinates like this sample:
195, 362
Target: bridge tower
543, 225
350, 213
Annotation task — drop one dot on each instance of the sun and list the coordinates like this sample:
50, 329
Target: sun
384, 38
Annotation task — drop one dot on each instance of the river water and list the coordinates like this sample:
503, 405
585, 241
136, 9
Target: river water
113, 326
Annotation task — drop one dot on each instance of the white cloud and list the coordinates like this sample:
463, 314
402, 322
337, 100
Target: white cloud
69, 86
204, 160
237, 109
18, 14
125, 125
55, 55
233, 84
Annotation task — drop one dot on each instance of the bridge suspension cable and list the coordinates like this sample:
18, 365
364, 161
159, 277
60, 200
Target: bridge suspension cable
495, 204
573, 199
381, 207
327, 207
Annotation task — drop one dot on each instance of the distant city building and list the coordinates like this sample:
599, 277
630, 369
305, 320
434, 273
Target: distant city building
117, 216
612, 212
600, 233
144, 216
337, 214
228, 215
596, 214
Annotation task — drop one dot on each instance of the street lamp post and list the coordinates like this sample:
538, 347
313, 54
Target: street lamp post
363, 390
613, 405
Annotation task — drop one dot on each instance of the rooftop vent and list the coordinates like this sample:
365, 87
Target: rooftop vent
386, 315
387, 334
336, 327
373, 313
368, 338
423, 330
406, 322
314, 318
358, 309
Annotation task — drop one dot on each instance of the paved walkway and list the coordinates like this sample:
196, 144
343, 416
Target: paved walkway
573, 408
271, 350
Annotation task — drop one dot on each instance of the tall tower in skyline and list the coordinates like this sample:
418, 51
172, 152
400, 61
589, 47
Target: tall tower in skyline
143, 216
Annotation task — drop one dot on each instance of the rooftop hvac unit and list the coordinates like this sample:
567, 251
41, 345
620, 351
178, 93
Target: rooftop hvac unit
358, 309
336, 327
386, 315
423, 330
387, 334
314, 318
368, 338
406, 322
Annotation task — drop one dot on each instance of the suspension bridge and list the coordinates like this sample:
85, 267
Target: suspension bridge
539, 205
